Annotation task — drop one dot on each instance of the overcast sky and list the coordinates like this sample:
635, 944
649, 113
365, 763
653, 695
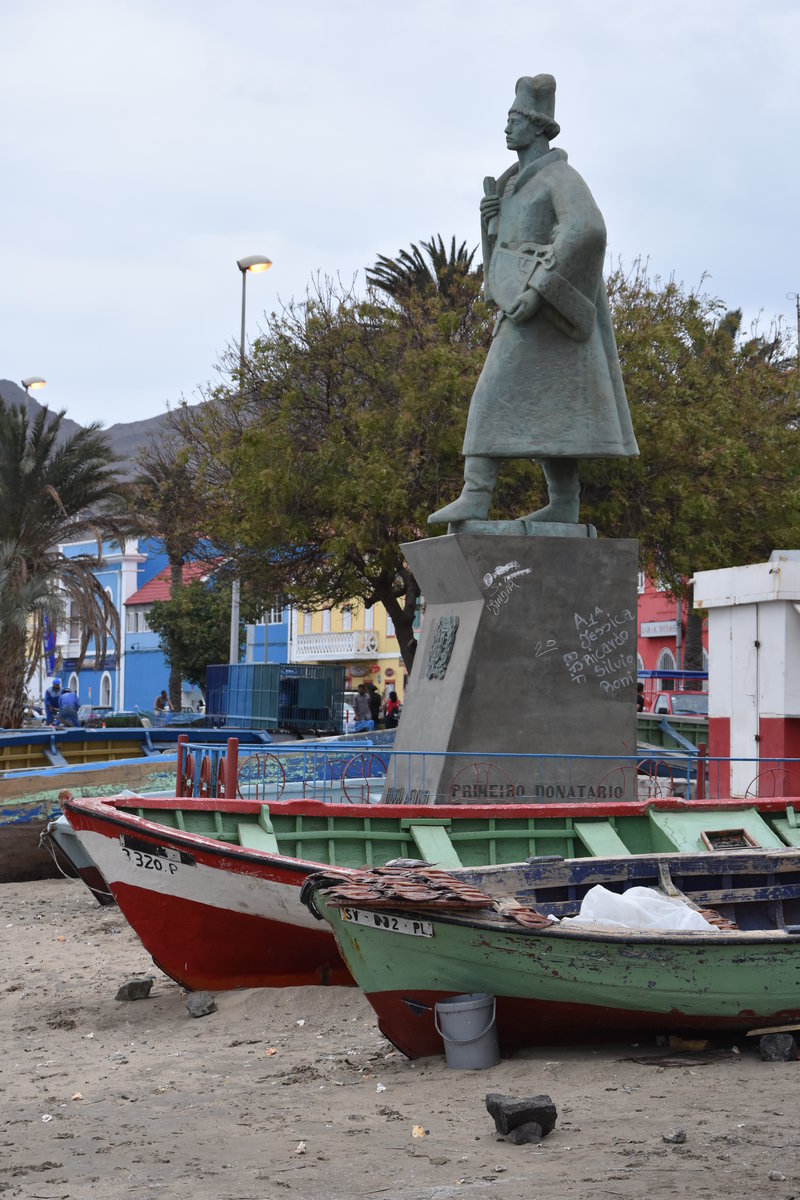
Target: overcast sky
147, 144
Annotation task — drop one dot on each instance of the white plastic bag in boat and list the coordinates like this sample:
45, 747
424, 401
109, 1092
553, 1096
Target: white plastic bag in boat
638, 908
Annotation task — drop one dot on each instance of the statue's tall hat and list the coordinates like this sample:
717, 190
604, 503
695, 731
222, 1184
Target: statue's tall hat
535, 98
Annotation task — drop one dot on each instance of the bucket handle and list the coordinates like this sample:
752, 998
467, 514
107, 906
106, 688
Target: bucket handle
465, 1041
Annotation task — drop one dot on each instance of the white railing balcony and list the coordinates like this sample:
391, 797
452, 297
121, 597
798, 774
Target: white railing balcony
332, 647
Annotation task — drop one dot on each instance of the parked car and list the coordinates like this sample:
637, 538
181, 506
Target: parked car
93, 715
681, 704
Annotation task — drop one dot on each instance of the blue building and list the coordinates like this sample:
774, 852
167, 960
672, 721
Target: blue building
147, 671
275, 628
134, 576
123, 569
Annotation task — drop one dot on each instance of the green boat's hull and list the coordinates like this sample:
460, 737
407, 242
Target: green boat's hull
565, 982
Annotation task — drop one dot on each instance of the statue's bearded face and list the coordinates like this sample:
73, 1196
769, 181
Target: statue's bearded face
520, 131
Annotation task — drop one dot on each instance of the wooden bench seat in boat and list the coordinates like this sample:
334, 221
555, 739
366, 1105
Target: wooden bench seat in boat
261, 836
601, 839
683, 831
433, 842
788, 827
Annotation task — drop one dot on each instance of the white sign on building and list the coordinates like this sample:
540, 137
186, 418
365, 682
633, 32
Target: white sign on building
658, 629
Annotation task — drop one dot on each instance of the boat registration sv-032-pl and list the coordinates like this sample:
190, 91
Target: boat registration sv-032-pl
392, 924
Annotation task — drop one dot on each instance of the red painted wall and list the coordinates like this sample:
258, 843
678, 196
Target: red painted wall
655, 605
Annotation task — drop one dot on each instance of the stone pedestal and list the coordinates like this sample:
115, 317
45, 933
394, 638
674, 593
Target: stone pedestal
528, 647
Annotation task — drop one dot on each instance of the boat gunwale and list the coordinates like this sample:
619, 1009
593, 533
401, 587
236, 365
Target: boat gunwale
573, 809
498, 923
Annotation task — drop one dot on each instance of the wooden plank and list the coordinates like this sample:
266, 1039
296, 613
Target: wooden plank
788, 832
767, 893
601, 839
684, 831
54, 756
253, 837
434, 845
265, 820
671, 889
772, 1029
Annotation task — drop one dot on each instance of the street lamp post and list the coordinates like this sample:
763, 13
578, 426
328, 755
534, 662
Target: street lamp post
253, 264
32, 383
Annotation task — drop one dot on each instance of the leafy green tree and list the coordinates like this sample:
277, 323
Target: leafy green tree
194, 627
717, 482
348, 436
52, 490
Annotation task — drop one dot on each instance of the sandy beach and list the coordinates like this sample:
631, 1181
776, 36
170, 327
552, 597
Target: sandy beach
295, 1093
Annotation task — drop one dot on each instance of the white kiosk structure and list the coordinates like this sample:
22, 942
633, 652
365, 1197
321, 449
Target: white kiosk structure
754, 674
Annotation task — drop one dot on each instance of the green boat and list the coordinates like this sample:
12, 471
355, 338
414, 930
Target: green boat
412, 937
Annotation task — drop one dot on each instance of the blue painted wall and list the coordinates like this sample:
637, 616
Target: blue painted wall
156, 560
278, 649
146, 670
90, 681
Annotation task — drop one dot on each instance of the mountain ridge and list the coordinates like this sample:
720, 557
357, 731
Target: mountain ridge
126, 438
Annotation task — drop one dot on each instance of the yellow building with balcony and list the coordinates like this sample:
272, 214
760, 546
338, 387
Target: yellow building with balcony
362, 640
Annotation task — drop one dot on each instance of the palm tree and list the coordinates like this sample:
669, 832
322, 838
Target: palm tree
443, 273
166, 504
52, 490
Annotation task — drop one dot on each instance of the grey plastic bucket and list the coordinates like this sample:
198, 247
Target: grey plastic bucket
467, 1027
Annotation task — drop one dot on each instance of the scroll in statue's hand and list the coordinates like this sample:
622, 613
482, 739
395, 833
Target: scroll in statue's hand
526, 306
490, 207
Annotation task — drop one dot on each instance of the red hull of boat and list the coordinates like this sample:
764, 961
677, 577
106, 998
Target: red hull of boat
218, 919
406, 1018
213, 949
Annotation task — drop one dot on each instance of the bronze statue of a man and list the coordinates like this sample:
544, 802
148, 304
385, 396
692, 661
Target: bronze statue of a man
551, 387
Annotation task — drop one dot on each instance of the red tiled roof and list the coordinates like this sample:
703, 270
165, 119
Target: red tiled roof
160, 586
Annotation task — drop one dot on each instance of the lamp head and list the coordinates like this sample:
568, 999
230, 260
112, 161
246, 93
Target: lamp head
32, 382
254, 263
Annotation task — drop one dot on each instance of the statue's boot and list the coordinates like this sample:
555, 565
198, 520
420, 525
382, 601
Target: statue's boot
480, 476
564, 489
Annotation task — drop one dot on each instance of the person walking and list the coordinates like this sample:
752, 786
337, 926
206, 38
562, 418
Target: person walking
374, 697
362, 712
392, 711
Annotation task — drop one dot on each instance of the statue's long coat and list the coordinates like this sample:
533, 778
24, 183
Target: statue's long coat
551, 386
